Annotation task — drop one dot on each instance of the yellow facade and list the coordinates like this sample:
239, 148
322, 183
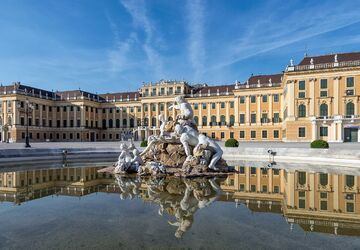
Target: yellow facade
317, 99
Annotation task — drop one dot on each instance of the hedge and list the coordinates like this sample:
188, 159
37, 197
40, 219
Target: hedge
319, 144
143, 144
233, 143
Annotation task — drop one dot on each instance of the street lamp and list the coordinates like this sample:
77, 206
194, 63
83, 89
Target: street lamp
28, 107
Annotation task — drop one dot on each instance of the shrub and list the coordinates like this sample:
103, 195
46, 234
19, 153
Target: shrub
233, 143
319, 144
143, 144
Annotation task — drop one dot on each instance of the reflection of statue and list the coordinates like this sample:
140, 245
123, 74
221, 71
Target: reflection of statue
180, 198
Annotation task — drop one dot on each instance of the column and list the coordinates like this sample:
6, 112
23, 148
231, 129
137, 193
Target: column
291, 99
313, 130
336, 95
312, 189
247, 113
217, 111
258, 108
247, 180
107, 117
200, 114
121, 117
16, 116
227, 107
209, 112
142, 115
67, 116
82, 116
258, 175
236, 110
270, 116
41, 115
136, 116
128, 116
270, 183
335, 185
157, 105
312, 97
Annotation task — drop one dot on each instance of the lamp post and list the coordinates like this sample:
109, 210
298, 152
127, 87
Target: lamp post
28, 107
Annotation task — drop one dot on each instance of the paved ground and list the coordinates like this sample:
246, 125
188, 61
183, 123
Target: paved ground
354, 145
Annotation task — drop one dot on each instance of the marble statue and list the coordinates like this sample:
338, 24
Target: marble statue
209, 144
186, 115
128, 161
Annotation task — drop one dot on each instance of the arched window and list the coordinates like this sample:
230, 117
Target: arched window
350, 180
170, 118
110, 123
350, 109
196, 119
146, 122
153, 122
124, 123
323, 179
104, 124
213, 120
232, 120
138, 121
302, 178
323, 110
118, 123
302, 110
131, 123
204, 121
222, 120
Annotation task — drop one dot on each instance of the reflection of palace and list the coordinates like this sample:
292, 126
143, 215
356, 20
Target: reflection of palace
318, 202
318, 98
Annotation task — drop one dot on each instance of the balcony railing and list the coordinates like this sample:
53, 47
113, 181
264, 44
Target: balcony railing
325, 66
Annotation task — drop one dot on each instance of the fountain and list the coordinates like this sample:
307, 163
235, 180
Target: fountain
179, 150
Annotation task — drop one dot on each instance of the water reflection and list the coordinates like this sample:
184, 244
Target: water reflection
318, 202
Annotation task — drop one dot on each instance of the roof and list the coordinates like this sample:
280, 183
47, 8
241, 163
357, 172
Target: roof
120, 95
330, 58
214, 89
265, 79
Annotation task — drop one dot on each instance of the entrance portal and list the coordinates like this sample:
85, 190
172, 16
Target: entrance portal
350, 134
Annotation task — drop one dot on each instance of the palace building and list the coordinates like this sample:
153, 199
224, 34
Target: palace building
318, 98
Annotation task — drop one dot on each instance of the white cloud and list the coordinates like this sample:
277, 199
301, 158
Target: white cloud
195, 26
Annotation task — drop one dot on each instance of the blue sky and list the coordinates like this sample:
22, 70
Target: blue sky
116, 45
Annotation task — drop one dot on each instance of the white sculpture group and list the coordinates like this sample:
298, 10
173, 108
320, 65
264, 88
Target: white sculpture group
199, 148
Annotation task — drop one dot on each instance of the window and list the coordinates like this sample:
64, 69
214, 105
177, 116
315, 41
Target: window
276, 133
232, 120
264, 118
242, 118
276, 118
153, 122
302, 178
253, 99
301, 199
324, 110
242, 170
242, 99
222, 135
222, 105
253, 188
242, 188
146, 108
232, 135
264, 134
253, 118
204, 121
253, 170
264, 189
264, 98
276, 97
323, 179
213, 106
222, 120
301, 89
276, 171
350, 82
196, 106
301, 132
253, 134
213, 120
349, 180
231, 105
242, 134
350, 109
161, 107
196, 119
302, 110
323, 131
213, 135
323, 87
276, 189
204, 106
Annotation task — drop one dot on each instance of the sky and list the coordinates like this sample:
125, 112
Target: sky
106, 46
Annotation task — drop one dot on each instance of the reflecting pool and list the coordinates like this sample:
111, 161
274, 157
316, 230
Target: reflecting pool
255, 208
